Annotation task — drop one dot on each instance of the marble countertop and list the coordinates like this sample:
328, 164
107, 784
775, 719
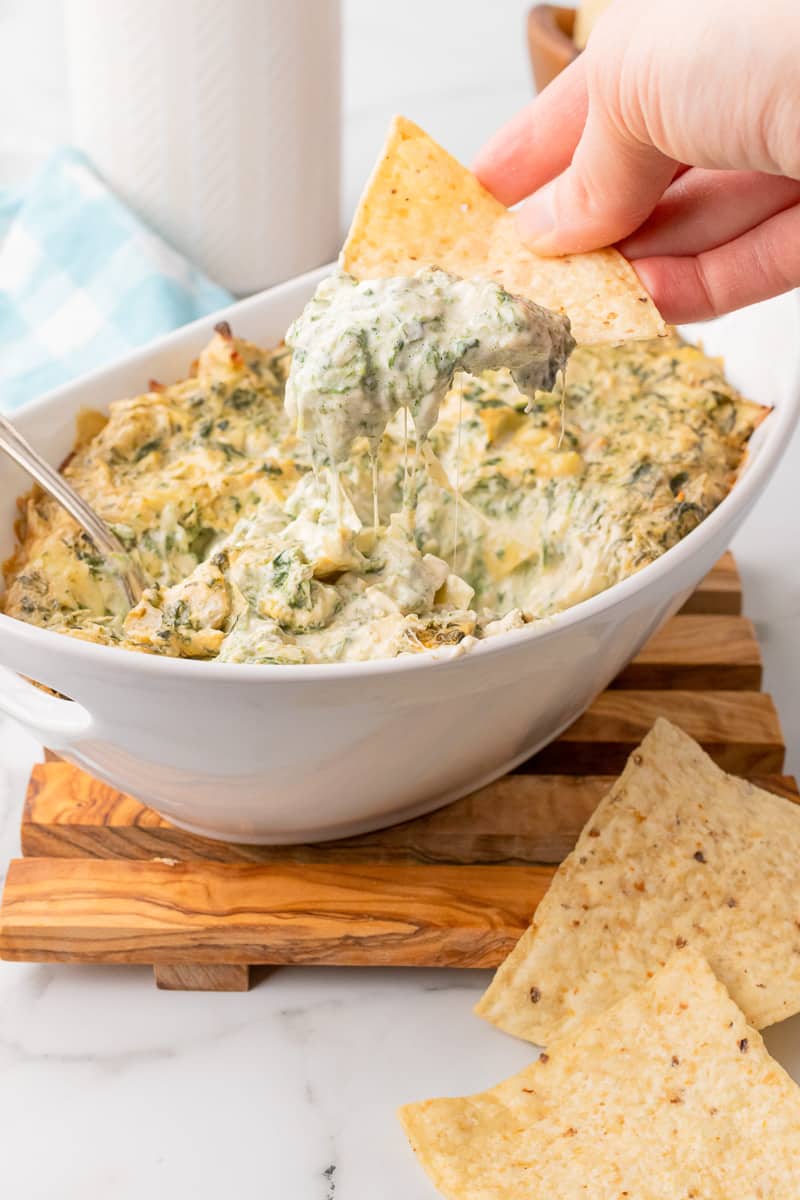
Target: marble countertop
112, 1090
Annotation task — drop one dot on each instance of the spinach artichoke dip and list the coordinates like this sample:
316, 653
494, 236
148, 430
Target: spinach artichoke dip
364, 351
350, 539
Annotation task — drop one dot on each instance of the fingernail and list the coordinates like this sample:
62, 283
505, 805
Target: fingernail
537, 216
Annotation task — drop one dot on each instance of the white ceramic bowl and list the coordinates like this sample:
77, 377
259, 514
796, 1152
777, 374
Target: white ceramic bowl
282, 754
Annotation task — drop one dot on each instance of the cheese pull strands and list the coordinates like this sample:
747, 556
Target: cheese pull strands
454, 556
406, 498
411, 469
373, 463
506, 550
363, 351
337, 490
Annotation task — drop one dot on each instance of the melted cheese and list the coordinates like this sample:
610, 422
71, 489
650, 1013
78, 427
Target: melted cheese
212, 490
362, 351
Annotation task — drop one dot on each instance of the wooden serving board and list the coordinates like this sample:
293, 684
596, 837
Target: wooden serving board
105, 879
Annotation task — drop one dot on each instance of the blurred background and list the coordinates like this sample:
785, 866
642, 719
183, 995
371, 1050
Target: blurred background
456, 67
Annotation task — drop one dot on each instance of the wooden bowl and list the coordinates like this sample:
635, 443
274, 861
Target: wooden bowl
550, 43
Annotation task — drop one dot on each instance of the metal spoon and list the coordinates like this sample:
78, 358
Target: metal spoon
106, 541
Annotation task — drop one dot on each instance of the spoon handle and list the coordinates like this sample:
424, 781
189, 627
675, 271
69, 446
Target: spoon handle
106, 541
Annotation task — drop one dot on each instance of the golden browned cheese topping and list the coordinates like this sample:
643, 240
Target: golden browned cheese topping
515, 518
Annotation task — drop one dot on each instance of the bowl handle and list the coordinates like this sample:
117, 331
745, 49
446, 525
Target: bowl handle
56, 722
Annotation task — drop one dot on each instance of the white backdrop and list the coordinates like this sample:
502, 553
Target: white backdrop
458, 67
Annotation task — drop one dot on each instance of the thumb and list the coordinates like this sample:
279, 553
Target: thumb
613, 184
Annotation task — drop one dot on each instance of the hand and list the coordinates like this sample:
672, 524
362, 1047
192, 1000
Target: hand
674, 135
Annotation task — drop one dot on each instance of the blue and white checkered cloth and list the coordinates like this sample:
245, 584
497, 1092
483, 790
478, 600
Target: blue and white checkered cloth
82, 280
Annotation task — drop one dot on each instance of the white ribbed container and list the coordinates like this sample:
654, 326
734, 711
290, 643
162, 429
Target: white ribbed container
218, 121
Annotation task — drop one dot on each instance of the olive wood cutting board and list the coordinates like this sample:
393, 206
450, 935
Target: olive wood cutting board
103, 879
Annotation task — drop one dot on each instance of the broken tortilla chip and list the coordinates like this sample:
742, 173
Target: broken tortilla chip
422, 208
668, 1095
678, 854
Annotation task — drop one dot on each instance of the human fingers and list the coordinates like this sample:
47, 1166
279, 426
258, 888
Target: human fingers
612, 185
703, 209
761, 263
538, 142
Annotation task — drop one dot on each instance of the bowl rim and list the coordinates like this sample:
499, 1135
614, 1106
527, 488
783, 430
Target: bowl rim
775, 429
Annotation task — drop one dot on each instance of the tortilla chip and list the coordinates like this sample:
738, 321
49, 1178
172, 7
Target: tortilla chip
421, 208
668, 1095
677, 854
